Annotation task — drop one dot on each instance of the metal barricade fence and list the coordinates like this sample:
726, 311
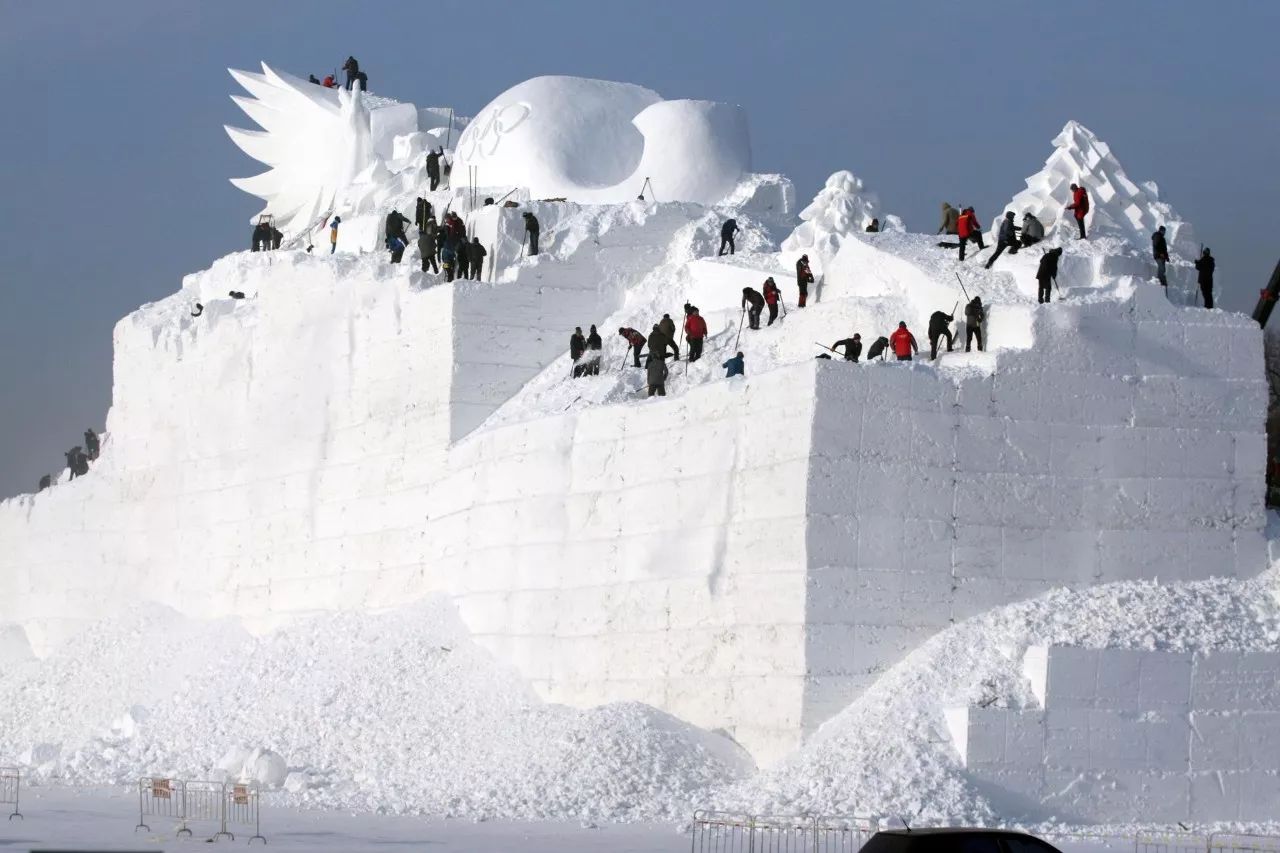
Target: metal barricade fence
188, 801
10, 782
240, 808
1232, 842
724, 832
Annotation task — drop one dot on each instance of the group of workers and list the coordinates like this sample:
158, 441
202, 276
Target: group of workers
78, 459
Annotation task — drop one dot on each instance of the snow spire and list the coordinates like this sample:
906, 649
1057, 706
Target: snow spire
1118, 206
842, 207
315, 140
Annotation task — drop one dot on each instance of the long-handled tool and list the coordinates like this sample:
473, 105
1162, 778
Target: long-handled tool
962, 289
739, 337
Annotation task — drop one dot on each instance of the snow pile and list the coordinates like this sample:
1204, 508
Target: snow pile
393, 713
889, 752
1119, 207
598, 141
842, 207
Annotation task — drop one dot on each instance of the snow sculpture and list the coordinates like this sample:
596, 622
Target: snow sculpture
316, 141
842, 207
1118, 206
597, 141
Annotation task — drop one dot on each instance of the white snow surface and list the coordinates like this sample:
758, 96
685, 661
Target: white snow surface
842, 207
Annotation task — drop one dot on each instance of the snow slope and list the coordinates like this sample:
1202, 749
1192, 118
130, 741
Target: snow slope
748, 556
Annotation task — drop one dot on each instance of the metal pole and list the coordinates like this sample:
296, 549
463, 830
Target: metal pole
962, 290
739, 337
448, 137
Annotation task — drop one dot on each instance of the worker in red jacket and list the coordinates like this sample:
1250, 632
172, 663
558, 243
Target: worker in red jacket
967, 228
804, 277
635, 339
1079, 204
695, 329
903, 342
771, 295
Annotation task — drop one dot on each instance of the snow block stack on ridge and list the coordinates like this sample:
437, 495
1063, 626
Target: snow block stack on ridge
1133, 735
842, 207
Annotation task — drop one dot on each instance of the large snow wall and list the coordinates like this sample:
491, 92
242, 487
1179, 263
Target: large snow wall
747, 555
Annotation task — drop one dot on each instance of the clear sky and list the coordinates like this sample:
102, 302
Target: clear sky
114, 165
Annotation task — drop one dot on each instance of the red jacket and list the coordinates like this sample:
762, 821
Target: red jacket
633, 337
695, 326
966, 224
1079, 202
903, 342
770, 293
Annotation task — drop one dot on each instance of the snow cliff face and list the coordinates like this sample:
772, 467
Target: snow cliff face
749, 555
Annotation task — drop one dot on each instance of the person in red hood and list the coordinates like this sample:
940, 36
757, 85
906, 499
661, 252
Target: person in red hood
1080, 205
634, 338
804, 278
903, 342
771, 299
695, 329
967, 228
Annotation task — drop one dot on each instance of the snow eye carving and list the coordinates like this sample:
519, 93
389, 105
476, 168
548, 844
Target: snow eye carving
483, 137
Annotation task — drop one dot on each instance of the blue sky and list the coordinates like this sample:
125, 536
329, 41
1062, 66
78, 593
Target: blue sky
114, 165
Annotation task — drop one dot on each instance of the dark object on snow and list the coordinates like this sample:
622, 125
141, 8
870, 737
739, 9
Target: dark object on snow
311, 78
804, 277
433, 167
1204, 275
735, 366
396, 221
236, 294
262, 237
975, 322
954, 838
1047, 272
91, 444
1006, 238
939, 328
1160, 252
77, 462
727, 230
878, 346
874, 227
198, 310
1267, 300
352, 68
657, 377
45, 482
658, 344
475, 256
754, 303
532, 229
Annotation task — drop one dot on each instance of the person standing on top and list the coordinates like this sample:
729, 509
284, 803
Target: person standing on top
427, 245
433, 167
1204, 275
727, 230
577, 346
975, 319
475, 257
1006, 238
852, 347
939, 327
695, 330
950, 219
1032, 230
261, 240
635, 339
333, 233
353, 71
967, 228
804, 277
1047, 273
754, 303
668, 327
735, 366
531, 229
874, 227
771, 295
1160, 251
658, 343
657, 377
1079, 204
903, 342
594, 346
91, 444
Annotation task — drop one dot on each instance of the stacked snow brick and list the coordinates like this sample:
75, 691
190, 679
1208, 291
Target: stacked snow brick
1118, 206
1127, 735
842, 207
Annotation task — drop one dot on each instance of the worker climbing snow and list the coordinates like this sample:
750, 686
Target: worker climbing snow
1046, 274
1204, 275
1080, 205
727, 230
735, 366
659, 341
975, 320
903, 342
804, 278
657, 377
333, 233
695, 331
668, 327
1006, 238
396, 221
1032, 230
874, 227
91, 444
635, 339
754, 303
771, 295
433, 166
939, 328
577, 346
967, 228
427, 245
852, 347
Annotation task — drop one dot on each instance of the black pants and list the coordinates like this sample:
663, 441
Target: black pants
429, 260
635, 350
1080, 222
906, 357
463, 268
773, 312
971, 332
592, 367
533, 242
933, 343
975, 237
435, 180
1000, 247
803, 287
476, 267
351, 79
695, 349
725, 241
448, 270
753, 316
1160, 262
1206, 290
1045, 290
396, 255
660, 389
333, 247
